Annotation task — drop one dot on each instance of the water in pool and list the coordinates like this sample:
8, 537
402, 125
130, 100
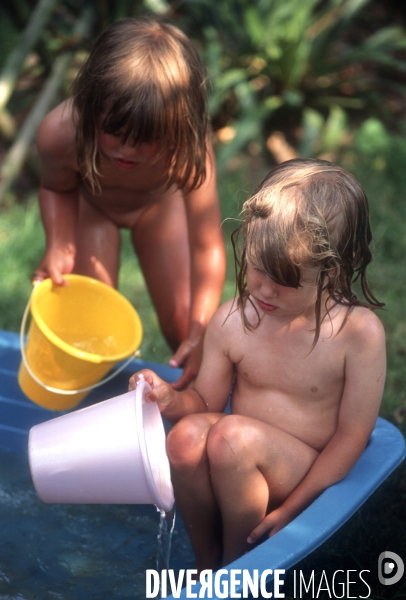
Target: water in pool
73, 551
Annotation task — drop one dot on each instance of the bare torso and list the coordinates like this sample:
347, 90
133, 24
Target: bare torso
123, 201
124, 192
283, 384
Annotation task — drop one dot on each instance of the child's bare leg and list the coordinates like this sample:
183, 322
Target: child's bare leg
97, 245
193, 490
160, 239
254, 467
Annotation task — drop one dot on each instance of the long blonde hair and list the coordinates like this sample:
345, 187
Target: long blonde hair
143, 82
307, 213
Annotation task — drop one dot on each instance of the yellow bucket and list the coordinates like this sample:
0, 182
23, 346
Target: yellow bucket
78, 332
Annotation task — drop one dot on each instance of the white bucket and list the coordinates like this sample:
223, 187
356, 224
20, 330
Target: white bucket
113, 452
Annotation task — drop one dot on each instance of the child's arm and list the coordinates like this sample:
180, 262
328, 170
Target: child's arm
57, 196
212, 386
207, 270
365, 366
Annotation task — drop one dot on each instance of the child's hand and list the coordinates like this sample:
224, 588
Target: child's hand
54, 265
188, 356
271, 524
161, 393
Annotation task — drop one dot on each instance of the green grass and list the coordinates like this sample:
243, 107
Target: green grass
21, 245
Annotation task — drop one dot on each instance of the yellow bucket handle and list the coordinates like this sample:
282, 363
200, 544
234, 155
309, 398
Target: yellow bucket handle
57, 390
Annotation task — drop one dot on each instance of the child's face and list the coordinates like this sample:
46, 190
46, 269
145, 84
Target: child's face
271, 298
125, 156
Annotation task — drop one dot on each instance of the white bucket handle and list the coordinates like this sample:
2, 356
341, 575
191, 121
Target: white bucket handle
57, 390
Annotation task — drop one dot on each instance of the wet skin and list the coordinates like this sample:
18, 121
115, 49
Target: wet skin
299, 419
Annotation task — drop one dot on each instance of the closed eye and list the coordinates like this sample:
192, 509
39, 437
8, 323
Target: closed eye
258, 270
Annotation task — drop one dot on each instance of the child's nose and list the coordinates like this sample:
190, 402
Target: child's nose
128, 151
270, 288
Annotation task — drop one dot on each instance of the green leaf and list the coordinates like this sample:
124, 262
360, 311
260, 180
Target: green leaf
334, 129
372, 137
312, 124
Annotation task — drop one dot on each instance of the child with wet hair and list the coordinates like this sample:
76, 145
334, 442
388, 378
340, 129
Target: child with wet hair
131, 149
304, 357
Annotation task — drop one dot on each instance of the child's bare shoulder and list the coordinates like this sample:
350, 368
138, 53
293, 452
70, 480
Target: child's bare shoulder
56, 134
225, 322
228, 312
364, 327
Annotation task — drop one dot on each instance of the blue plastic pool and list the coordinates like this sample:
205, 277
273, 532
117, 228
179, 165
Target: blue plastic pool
102, 552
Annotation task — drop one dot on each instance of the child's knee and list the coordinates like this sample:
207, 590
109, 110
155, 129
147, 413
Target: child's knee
227, 443
186, 441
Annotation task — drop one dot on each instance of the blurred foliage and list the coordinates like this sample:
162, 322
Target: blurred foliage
377, 158
301, 67
310, 70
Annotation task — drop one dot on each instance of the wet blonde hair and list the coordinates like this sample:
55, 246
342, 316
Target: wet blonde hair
143, 82
307, 213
